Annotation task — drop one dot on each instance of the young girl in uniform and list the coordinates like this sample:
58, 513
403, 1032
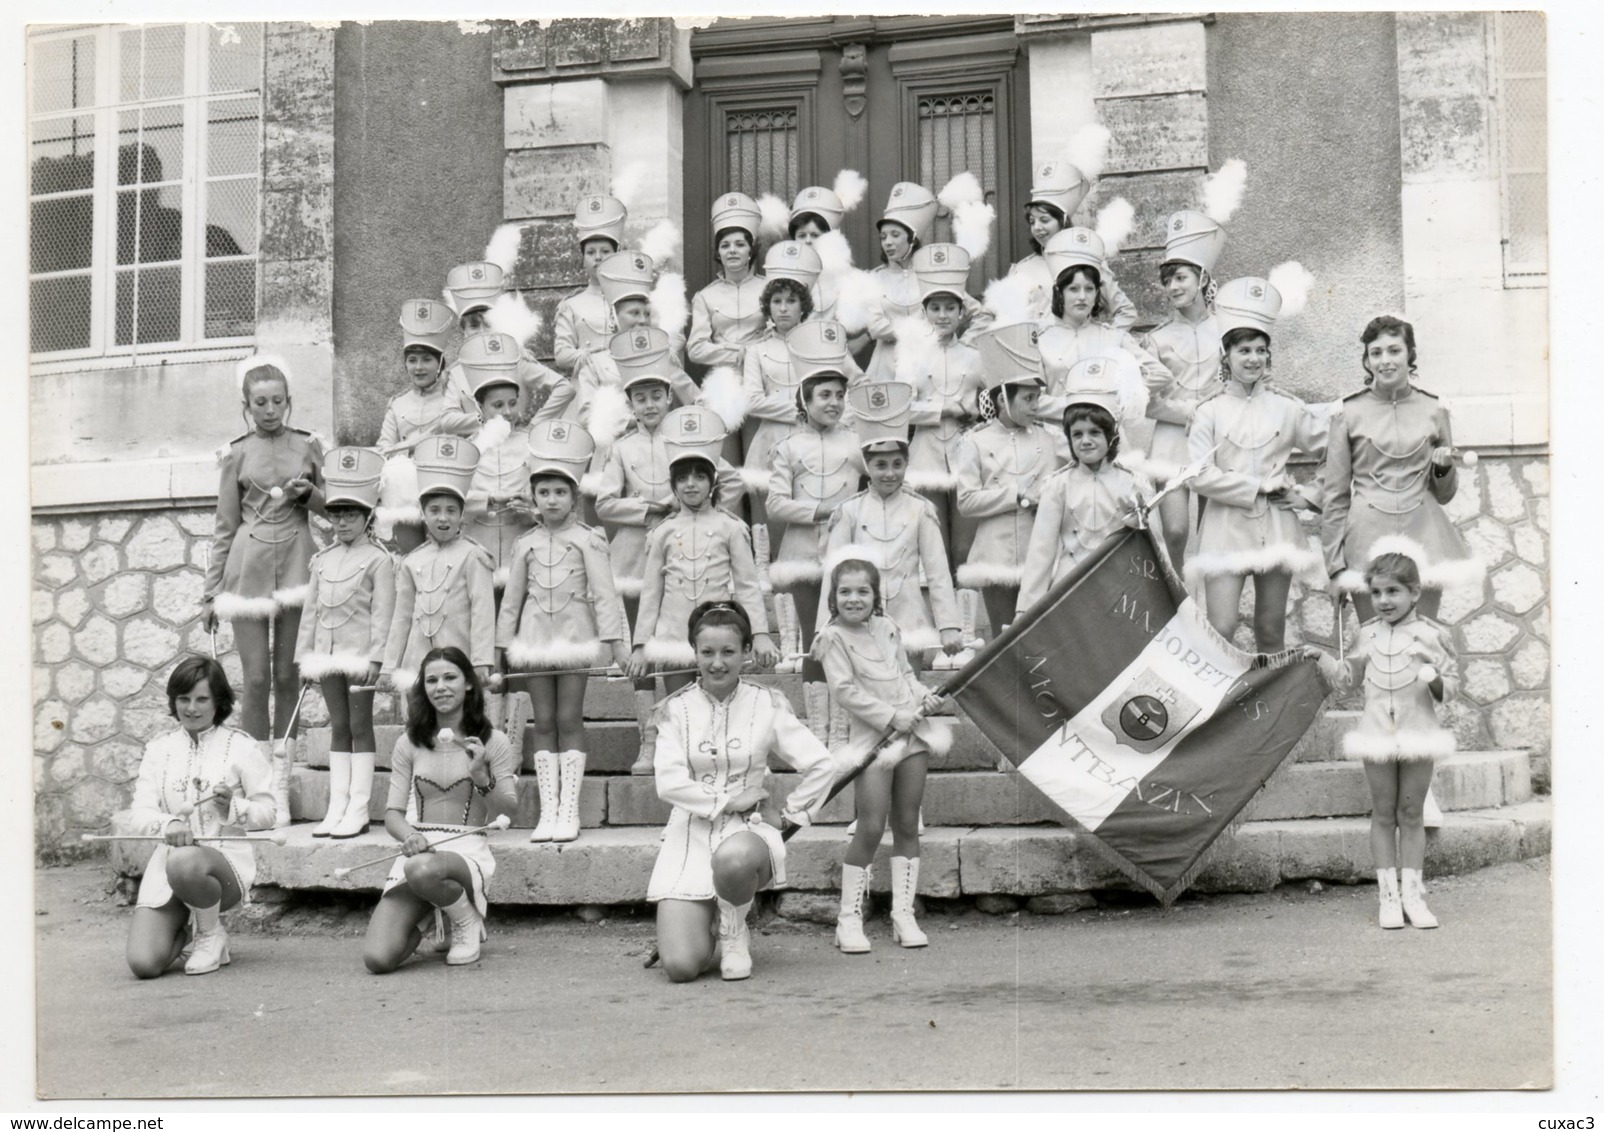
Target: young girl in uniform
909, 214
449, 772
717, 736
584, 322
445, 595
261, 547
1002, 466
431, 407
626, 282
633, 495
866, 663
1056, 192
498, 509
727, 315
479, 294
698, 554
812, 472
203, 780
1093, 498
1407, 667
1243, 437
816, 212
560, 612
896, 529
349, 605
1389, 470
1188, 346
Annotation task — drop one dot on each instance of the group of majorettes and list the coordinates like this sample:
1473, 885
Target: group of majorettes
980, 447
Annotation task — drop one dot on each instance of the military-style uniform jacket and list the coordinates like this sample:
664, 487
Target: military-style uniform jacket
1122, 313
725, 318
809, 468
560, 609
444, 596
503, 473
262, 542
692, 557
952, 384
1078, 512
996, 462
583, 325
349, 605
1190, 352
1400, 715
902, 535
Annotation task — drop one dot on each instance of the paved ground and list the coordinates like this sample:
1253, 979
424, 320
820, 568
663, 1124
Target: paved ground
1291, 989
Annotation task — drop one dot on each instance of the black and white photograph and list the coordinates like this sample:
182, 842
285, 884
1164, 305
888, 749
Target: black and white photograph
784, 553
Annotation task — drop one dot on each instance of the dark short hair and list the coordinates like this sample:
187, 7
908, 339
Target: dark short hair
1067, 276
683, 466
555, 477
802, 218
860, 566
589, 240
751, 239
422, 723
191, 671
1052, 210
1393, 565
790, 286
1387, 324
483, 391
721, 614
1166, 271
1098, 416
423, 500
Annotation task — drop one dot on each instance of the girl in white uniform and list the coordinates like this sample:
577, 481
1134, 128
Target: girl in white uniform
715, 739
584, 321
200, 781
498, 509
449, 772
1056, 192
726, 315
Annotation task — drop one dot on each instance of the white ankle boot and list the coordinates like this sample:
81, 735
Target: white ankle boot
1391, 908
546, 779
849, 935
571, 767
1413, 896
210, 945
355, 821
467, 931
733, 940
904, 883
280, 760
646, 718
339, 792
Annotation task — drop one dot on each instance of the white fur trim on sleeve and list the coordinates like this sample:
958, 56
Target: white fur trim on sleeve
292, 597
788, 572
1296, 560
536, 656
669, 654
920, 480
972, 575
317, 665
234, 607
628, 586
756, 480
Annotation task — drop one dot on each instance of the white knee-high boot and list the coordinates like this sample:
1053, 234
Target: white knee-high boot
904, 884
339, 792
572, 773
646, 718
849, 935
278, 760
546, 780
355, 821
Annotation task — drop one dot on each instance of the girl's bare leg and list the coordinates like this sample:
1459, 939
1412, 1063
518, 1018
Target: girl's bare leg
685, 937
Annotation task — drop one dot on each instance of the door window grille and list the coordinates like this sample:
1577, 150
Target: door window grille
1521, 63
958, 132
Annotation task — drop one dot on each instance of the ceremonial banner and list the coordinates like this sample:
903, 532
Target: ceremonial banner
1114, 697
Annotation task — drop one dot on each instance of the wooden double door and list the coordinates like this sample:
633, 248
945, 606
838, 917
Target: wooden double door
780, 104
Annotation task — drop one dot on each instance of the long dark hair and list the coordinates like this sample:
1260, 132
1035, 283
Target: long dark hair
1099, 305
1386, 324
1052, 210
422, 723
720, 614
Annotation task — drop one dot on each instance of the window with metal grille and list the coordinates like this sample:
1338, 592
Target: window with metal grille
145, 156
958, 132
1521, 65
761, 151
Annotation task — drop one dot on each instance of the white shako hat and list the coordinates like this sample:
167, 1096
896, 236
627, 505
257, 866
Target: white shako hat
792, 259
642, 354
1095, 381
1192, 238
881, 411
1009, 356
817, 347
445, 463
822, 202
560, 448
1247, 302
489, 358
692, 431
1059, 184
351, 475
426, 322
942, 269
1074, 247
911, 205
737, 210
471, 286
600, 217
625, 275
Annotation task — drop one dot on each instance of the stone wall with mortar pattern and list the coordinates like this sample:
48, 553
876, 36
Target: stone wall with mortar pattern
116, 602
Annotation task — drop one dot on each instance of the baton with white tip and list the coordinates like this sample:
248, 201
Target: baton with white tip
277, 837
500, 823
1180, 479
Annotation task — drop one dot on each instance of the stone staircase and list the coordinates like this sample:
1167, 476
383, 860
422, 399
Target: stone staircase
987, 832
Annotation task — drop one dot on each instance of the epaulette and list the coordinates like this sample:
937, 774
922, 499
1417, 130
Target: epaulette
1357, 393
475, 544
677, 693
1426, 393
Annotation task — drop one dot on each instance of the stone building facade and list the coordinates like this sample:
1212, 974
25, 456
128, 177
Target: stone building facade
1391, 170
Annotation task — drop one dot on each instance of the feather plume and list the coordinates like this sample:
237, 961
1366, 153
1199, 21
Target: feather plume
1114, 222
662, 243
509, 314
835, 253
1222, 191
724, 393
851, 186
627, 184
917, 347
398, 483
670, 308
1131, 388
1008, 299
609, 415
775, 218
492, 433
1293, 281
502, 250
971, 227
1088, 149
858, 296
964, 188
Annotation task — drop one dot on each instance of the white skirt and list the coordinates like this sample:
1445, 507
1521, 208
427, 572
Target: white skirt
475, 849
155, 892
684, 869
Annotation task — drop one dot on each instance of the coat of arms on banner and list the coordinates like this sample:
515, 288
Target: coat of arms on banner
1148, 713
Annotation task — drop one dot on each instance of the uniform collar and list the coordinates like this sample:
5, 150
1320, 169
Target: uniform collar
199, 738
1403, 394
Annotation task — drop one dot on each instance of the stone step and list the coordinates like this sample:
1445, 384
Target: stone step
1323, 741
1466, 781
612, 866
